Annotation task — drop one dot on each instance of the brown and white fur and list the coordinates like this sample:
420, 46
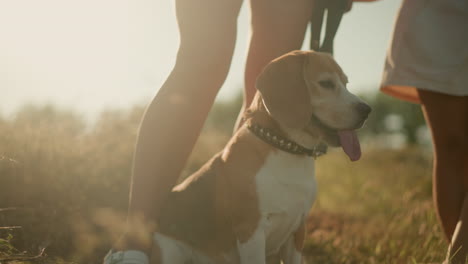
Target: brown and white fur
249, 203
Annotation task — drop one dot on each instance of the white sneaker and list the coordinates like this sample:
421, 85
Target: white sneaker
126, 257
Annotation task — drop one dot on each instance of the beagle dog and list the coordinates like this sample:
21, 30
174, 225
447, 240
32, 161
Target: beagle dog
249, 203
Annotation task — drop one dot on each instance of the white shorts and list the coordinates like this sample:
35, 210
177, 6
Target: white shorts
429, 50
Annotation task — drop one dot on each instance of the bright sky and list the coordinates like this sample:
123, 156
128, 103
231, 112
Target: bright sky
93, 54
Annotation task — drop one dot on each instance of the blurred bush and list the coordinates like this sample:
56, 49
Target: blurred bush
408, 123
66, 182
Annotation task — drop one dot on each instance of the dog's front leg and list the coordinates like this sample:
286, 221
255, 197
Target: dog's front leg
291, 252
253, 250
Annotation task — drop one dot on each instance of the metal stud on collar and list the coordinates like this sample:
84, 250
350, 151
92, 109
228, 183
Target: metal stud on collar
285, 144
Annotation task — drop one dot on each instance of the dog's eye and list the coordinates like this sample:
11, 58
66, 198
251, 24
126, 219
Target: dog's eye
327, 84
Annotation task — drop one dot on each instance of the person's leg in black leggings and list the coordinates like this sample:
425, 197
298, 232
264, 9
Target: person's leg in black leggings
336, 9
318, 11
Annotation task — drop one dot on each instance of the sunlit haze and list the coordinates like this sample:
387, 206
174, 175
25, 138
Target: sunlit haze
90, 55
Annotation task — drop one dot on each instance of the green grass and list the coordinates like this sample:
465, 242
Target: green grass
377, 210
69, 185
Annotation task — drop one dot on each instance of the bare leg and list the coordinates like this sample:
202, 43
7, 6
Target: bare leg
278, 27
174, 118
458, 251
447, 117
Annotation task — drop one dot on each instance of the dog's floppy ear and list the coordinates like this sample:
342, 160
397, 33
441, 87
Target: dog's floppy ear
284, 90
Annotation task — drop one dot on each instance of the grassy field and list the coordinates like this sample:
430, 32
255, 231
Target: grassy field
64, 187
377, 210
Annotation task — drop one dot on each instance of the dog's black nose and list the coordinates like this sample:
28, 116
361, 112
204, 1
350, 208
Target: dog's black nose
363, 109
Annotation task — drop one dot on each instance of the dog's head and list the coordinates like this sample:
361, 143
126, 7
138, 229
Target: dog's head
305, 92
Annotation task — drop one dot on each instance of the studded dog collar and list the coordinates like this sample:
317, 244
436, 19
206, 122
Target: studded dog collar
285, 144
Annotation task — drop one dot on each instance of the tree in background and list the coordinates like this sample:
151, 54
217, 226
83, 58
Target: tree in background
382, 107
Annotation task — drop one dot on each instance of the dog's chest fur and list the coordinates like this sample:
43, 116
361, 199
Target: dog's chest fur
247, 189
286, 191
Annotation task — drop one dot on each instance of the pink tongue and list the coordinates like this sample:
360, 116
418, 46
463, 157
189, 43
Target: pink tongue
350, 144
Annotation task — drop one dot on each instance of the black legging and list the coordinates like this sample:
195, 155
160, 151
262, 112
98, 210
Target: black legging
335, 10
